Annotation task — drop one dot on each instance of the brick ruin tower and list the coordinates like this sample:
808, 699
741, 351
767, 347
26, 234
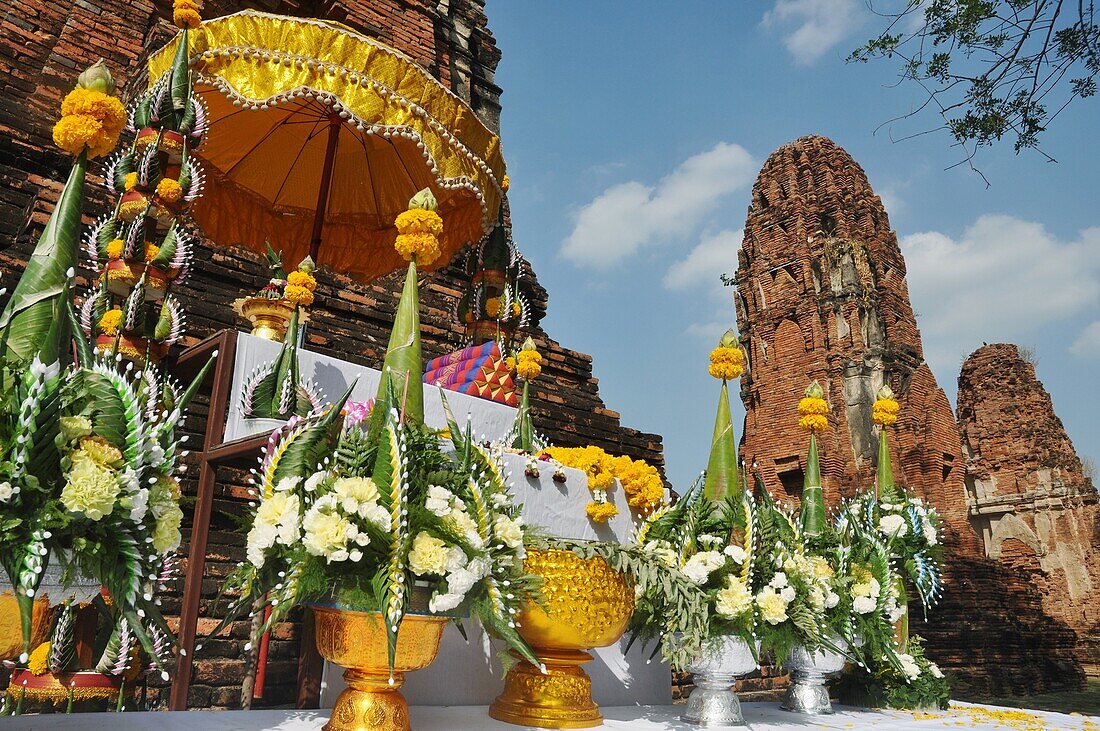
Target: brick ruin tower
1037, 510
45, 45
821, 294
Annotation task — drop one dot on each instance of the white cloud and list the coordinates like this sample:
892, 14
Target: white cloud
812, 27
628, 216
1002, 279
716, 254
1087, 344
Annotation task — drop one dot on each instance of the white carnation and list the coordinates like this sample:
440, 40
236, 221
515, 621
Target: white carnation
439, 500
893, 525
444, 602
935, 671
699, 567
864, 604
736, 553
909, 667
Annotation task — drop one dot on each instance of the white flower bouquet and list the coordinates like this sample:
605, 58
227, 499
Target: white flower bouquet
385, 522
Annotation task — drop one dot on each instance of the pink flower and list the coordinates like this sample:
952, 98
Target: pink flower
357, 411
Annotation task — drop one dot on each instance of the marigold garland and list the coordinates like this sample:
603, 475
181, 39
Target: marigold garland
600, 512
114, 249
528, 364
884, 411
169, 190
298, 296
726, 363
641, 481
302, 279
813, 410
417, 232
90, 120
110, 322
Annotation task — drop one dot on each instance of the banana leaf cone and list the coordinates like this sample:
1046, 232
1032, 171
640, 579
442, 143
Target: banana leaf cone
28, 322
885, 487
813, 498
403, 366
525, 431
721, 477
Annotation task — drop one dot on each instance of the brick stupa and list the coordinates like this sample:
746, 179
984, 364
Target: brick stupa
821, 294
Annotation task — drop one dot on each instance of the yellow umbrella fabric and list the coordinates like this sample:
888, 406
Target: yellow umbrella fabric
274, 86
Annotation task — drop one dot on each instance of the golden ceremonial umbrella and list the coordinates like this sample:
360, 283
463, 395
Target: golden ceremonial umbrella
319, 136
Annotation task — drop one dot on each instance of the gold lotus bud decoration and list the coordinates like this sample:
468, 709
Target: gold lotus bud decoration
424, 200
97, 77
307, 265
814, 390
885, 393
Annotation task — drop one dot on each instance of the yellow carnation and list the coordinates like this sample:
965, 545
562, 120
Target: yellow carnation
90, 489
302, 279
114, 249
166, 534
773, 609
39, 661
733, 600
428, 555
110, 322
169, 190
297, 295
100, 451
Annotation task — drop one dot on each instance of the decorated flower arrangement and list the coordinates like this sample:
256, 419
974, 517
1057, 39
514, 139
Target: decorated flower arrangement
270, 309
494, 307
142, 248
914, 682
378, 524
275, 390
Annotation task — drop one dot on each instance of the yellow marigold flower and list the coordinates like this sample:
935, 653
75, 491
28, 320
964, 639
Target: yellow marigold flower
424, 246
186, 18
104, 108
885, 409
813, 405
131, 181
600, 512
114, 249
39, 661
302, 279
169, 190
813, 422
151, 251
528, 370
506, 184
726, 363
110, 322
297, 295
510, 362
517, 310
419, 221
492, 307
90, 120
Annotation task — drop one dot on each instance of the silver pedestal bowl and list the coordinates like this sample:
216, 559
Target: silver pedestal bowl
712, 703
807, 693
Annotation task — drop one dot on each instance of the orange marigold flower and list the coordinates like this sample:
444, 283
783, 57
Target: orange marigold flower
492, 307
302, 279
151, 251
186, 18
110, 322
419, 221
424, 246
114, 249
297, 295
169, 190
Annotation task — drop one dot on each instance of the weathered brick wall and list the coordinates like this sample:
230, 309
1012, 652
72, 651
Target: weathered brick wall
821, 294
1030, 496
45, 43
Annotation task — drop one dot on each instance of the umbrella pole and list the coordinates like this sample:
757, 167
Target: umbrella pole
326, 185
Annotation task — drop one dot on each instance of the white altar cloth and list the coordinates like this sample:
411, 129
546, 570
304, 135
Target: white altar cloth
760, 717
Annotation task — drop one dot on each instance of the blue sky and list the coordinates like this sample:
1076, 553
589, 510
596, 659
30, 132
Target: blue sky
633, 132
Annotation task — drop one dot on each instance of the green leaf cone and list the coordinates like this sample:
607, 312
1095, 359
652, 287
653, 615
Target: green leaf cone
722, 466
524, 439
884, 476
813, 498
32, 310
403, 360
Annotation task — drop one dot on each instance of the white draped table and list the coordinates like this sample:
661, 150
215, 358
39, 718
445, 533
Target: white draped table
760, 717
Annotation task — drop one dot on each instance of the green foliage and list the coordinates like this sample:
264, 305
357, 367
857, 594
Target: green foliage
992, 68
882, 685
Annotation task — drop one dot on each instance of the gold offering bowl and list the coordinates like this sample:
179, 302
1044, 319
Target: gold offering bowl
585, 604
357, 641
269, 318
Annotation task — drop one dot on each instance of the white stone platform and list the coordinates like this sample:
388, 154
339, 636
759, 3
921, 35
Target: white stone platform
760, 717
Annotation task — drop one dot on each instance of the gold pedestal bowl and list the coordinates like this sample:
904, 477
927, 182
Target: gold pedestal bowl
357, 642
585, 604
269, 318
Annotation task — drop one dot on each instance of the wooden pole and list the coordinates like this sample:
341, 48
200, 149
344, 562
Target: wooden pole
326, 185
